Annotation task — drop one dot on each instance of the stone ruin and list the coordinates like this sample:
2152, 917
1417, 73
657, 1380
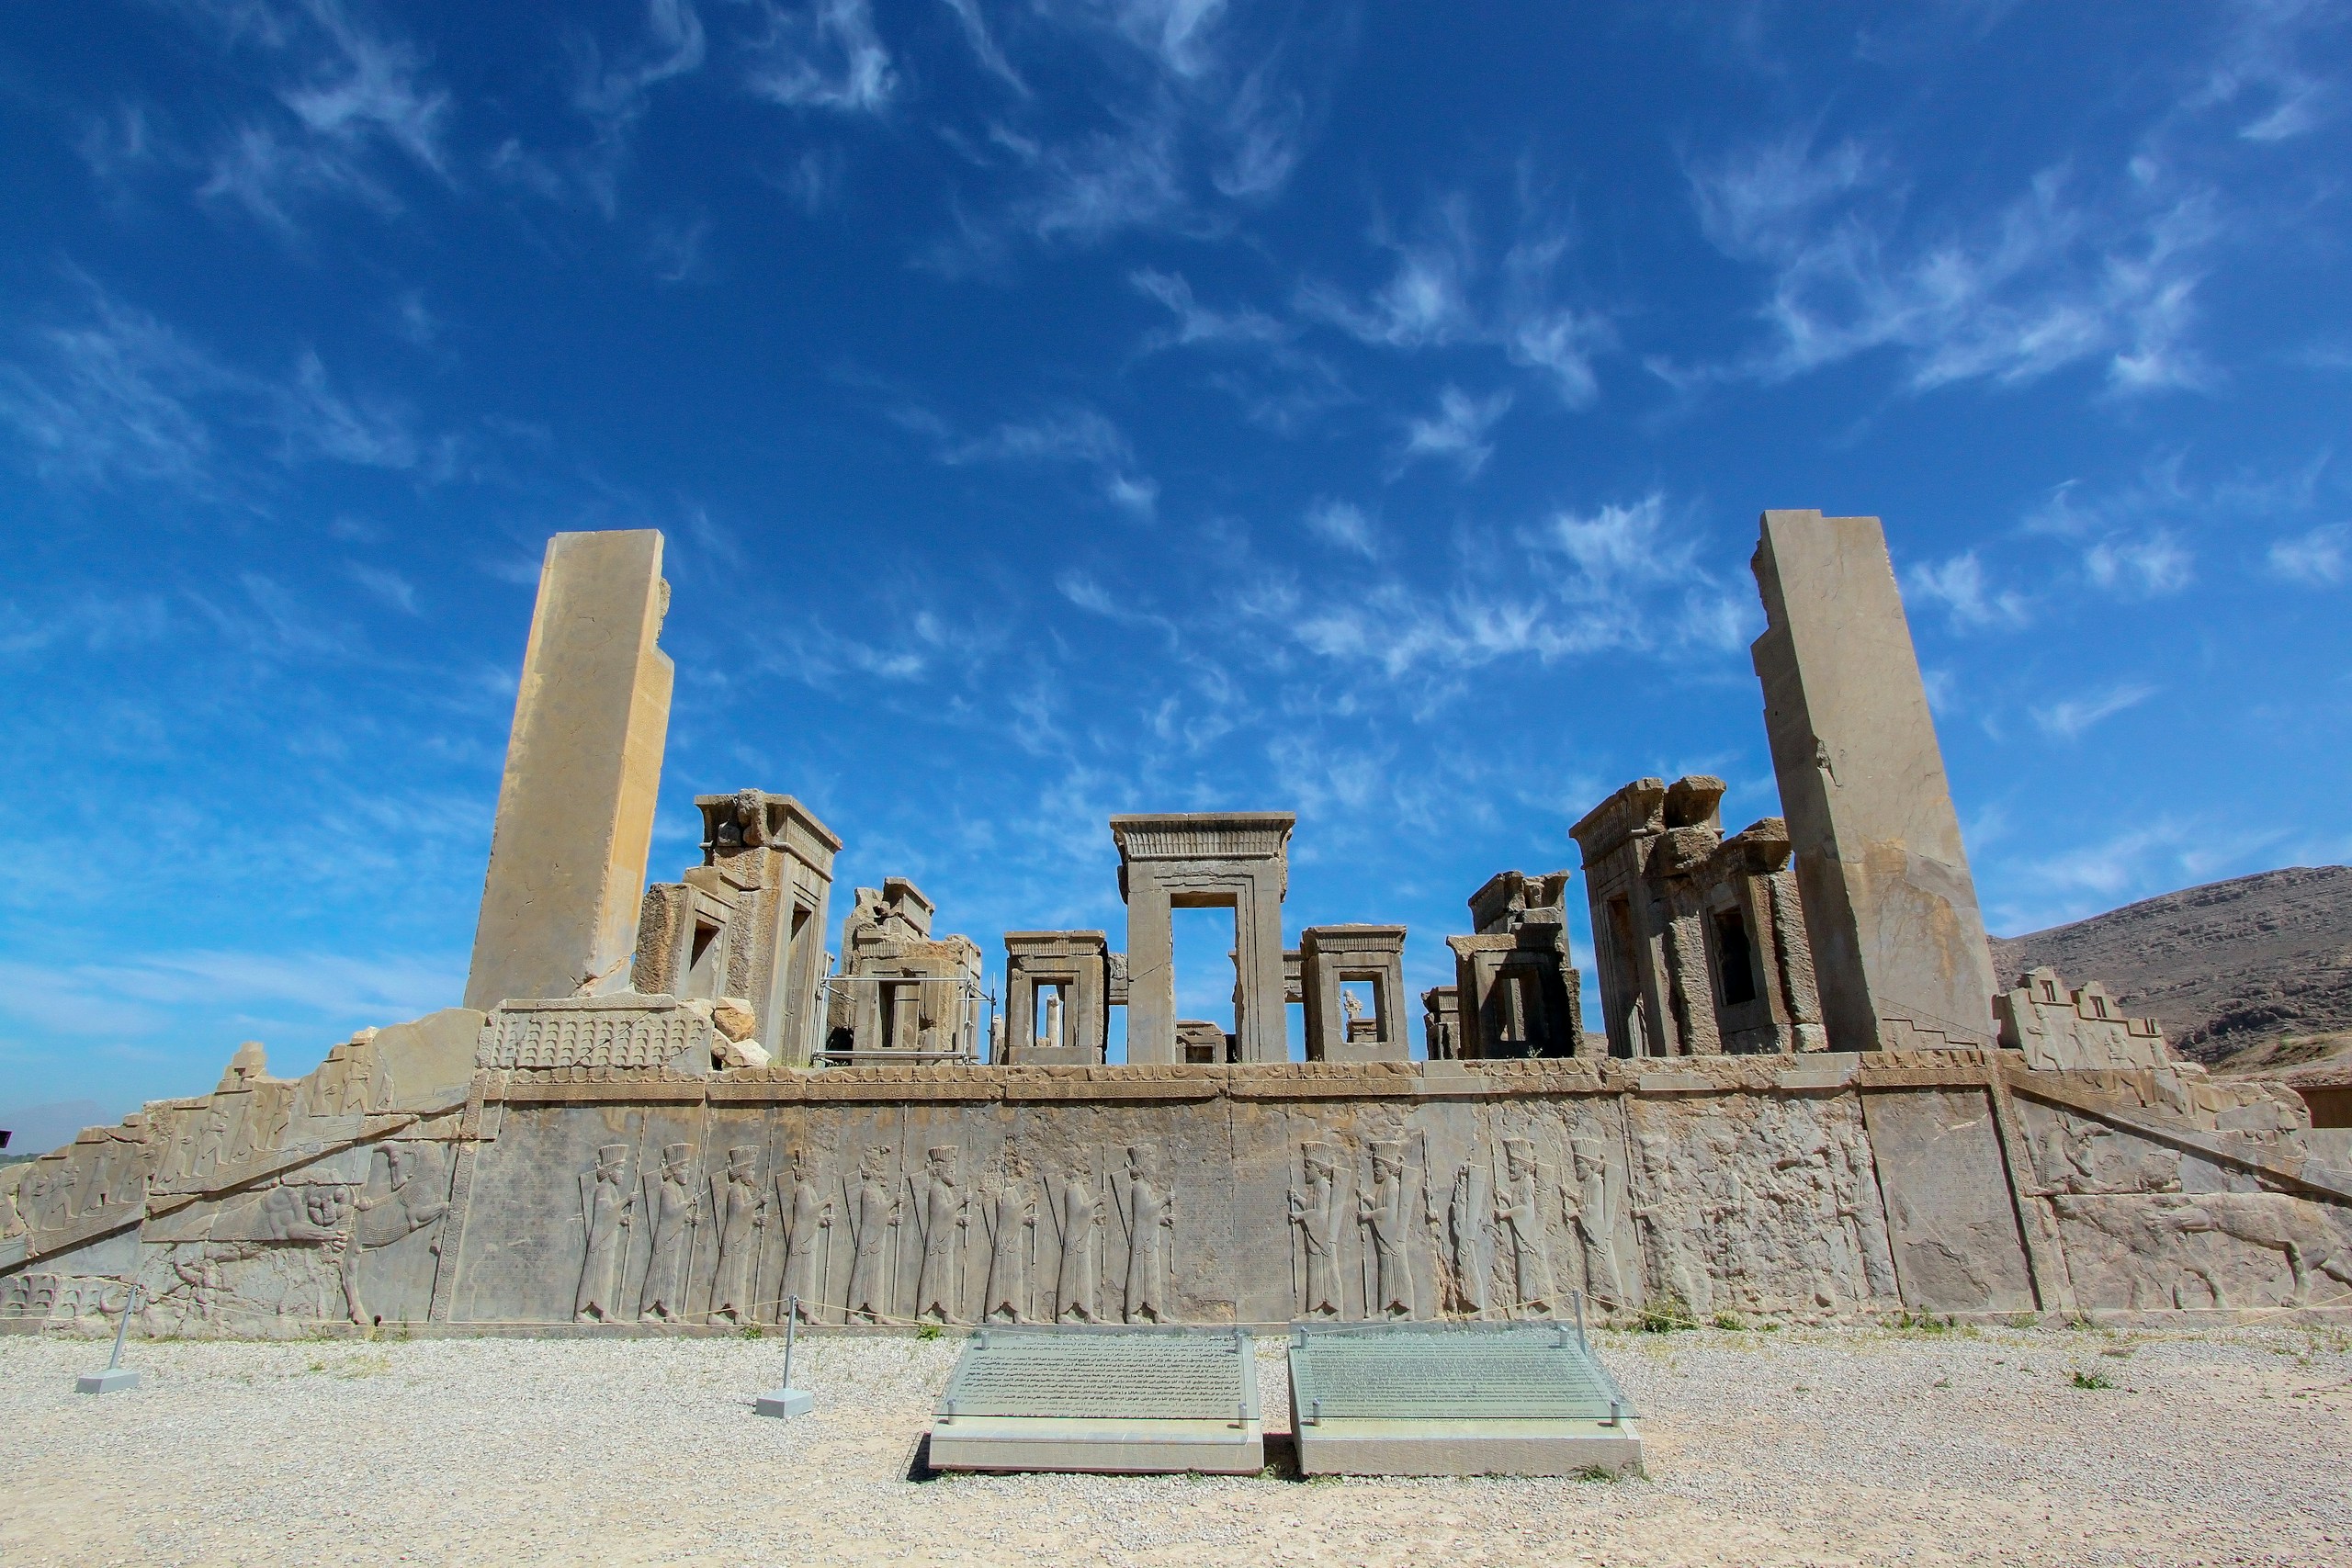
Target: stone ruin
669, 1108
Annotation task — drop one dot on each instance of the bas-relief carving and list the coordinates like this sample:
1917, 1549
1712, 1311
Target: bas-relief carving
1148, 1213
942, 1210
1763, 1203
672, 1206
871, 1200
1078, 1212
1758, 1203
1315, 1213
739, 1211
605, 1207
2148, 1226
1385, 1210
1009, 1213
806, 1209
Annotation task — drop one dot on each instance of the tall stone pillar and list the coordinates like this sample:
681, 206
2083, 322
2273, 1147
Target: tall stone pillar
1151, 982
1898, 941
575, 809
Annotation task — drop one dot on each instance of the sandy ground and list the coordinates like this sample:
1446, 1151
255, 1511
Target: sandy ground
1850, 1447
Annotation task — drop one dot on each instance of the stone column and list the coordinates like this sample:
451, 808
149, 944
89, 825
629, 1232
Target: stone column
1151, 976
1259, 1014
1898, 941
575, 809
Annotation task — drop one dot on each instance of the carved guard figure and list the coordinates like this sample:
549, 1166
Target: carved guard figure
1150, 1213
1011, 1215
874, 1209
1080, 1215
807, 1216
1315, 1213
673, 1206
738, 1207
943, 1210
605, 1203
1592, 1215
1381, 1212
1519, 1212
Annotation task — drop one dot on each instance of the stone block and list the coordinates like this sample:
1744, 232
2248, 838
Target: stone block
575, 807
1897, 940
113, 1380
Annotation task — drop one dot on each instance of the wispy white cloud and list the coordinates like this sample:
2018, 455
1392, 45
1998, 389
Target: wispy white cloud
1072, 434
2068, 720
2154, 564
2059, 276
1190, 121
2258, 72
2321, 557
1343, 525
675, 250
983, 44
1457, 431
1199, 323
823, 55
1958, 583
1278, 384
389, 586
111, 398
1619, 577
353, 93
1442, 292
122, 396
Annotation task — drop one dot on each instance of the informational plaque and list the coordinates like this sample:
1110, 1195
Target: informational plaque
1457, 1399
1101, 1399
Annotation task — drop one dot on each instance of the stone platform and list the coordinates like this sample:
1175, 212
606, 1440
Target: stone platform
1111, 1401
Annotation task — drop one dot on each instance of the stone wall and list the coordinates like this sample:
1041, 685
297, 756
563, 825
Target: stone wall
581, 1191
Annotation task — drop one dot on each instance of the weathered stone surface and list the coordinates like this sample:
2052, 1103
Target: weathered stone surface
575, 807
1332, 956
1898, 941
1951, 1213
1072, 971
1204, 860
902, 992
603, 1186
1701, 945
2058, 1028
749, 921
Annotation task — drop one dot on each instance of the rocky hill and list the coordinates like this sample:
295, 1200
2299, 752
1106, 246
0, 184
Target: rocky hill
2236, 970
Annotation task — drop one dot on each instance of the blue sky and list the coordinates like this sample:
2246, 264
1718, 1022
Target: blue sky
1058, 409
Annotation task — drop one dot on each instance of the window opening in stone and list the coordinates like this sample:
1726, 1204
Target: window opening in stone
1738, 966
1360, 1005
702, 962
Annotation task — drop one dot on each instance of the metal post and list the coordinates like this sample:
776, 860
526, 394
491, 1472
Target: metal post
1578, 1296
129, 1305
787, 1400
117, 1375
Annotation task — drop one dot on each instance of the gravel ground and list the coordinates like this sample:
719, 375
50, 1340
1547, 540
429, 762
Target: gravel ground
1815, 1446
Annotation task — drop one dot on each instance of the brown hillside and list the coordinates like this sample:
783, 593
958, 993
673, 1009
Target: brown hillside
2228, 967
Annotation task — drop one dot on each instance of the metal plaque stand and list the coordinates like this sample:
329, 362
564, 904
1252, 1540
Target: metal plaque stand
787, 1400
116, 1376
